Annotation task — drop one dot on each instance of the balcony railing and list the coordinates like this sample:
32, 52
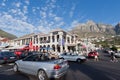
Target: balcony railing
45, 41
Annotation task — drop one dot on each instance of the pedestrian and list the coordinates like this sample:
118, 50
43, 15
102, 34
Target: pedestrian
96, 56
113, 58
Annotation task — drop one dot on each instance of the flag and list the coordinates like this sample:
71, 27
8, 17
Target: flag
31, 45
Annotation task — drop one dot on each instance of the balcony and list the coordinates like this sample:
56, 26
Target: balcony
45, 41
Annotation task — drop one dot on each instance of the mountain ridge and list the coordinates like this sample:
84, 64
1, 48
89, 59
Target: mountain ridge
92, 29
7, 35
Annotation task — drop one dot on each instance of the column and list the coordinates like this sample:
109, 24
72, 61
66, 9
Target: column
76, 47
46, 39
74, 39
61, 46
55, 37
51, 38
25, 42
56, 48
38, 40
70, 39
21, 42
33, 39
66, 48
66, 42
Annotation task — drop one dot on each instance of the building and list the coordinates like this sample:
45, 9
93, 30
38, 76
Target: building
57, 40
4, 42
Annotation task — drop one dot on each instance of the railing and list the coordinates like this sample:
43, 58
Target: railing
45, 41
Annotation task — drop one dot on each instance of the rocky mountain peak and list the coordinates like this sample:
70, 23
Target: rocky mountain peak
93, 28
90, 22
117, 29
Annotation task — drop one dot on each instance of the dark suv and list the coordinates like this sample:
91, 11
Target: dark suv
7, 56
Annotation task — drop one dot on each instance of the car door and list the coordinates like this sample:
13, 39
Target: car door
65, 56
28, 64
69, 56
72, 57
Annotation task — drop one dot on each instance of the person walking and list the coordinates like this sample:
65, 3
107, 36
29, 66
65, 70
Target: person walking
96, 56
113, 58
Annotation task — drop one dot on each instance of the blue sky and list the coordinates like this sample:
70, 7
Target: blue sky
21, 17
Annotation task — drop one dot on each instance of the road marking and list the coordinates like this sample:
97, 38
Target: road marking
1, 66
11, 64
11, 69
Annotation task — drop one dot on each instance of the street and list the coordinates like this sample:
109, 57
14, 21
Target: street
90, 70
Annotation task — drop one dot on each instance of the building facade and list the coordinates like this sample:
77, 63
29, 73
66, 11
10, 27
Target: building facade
57, 40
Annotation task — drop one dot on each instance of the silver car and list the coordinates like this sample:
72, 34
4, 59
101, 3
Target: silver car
41, 66
117, 54
73, 57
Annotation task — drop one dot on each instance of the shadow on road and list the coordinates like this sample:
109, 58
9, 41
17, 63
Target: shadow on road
84, 72
19, 76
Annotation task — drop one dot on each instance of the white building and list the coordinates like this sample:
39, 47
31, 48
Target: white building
58, 40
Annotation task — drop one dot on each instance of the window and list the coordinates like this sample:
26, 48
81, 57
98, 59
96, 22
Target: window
30, 58
68, 39
57, 38
53, 38
37, 57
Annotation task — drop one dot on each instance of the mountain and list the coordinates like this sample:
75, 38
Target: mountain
117, 29
92, 29
7, 35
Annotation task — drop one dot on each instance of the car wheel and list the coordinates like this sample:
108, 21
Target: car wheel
15, 68
42, 75
79, 60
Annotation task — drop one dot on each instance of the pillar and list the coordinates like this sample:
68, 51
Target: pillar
61, 46
51, 38
55, 37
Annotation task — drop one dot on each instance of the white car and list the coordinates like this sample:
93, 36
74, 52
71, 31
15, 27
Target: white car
117, 54
73, 57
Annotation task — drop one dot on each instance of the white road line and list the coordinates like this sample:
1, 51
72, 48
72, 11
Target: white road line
11, 64
8, 70
1, 66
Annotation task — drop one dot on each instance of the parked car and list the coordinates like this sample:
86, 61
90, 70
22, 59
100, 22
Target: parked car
92, 54
107, 50
22, 54
117, 54
73, 57
41, 66
7, 56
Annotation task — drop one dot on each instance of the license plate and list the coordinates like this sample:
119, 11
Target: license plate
12, 57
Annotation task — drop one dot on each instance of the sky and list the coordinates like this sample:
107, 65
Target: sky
21, 17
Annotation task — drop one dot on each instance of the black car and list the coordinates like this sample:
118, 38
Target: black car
7, 57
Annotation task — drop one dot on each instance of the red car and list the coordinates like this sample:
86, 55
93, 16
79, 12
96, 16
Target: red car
93, 54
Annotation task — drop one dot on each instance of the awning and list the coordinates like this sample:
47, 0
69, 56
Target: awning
17, 47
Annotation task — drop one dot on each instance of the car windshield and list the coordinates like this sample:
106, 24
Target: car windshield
74, 54
8, 53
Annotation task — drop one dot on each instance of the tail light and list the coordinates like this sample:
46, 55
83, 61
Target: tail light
5, 58
56, 67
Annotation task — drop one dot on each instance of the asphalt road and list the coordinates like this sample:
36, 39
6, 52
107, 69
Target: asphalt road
90, 70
